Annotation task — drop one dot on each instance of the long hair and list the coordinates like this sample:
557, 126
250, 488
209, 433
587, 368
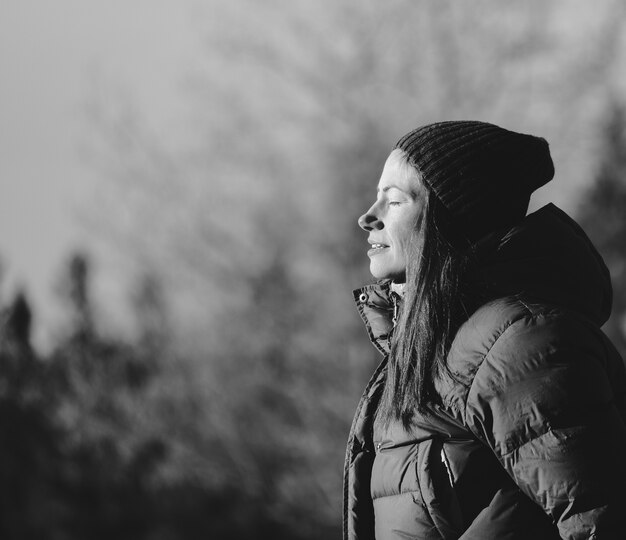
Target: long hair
431, 312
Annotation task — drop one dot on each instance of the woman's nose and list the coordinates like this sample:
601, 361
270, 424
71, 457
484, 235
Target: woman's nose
369, 222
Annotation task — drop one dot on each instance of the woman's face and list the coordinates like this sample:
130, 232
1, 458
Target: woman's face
393, 218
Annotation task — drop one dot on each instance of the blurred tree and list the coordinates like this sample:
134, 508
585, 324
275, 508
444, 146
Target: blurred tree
17, 359
76, 294
602, 216
30, 451
150, 307
19, 321
111, 453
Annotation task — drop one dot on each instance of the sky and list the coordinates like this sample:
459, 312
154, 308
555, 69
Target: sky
53, 57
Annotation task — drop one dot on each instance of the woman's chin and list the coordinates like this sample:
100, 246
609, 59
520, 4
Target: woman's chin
385, 273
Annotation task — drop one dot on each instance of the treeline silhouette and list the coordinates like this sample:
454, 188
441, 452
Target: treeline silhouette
83, 448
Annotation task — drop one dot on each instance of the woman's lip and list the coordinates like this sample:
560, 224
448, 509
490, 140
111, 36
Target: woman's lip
377, 250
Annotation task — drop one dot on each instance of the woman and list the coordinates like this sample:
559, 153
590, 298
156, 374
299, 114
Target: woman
499, 408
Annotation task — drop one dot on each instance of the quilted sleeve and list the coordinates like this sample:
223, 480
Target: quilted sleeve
546, 400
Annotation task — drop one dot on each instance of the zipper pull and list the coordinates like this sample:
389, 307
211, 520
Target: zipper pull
444, 460
394, 298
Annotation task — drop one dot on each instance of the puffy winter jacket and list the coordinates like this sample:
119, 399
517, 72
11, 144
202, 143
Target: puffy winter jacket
529, 440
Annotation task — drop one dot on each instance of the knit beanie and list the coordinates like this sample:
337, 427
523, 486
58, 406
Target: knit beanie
482, 174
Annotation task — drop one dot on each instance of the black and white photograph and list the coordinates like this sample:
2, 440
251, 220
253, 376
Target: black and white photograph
312, 270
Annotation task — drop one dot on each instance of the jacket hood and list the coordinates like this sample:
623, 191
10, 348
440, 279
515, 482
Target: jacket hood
548, 256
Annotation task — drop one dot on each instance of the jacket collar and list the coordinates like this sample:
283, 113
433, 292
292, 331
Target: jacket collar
376, 304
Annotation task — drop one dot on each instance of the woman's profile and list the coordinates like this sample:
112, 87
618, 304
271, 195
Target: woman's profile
499, 408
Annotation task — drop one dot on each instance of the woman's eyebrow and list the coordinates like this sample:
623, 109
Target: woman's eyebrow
387, 188
408, 192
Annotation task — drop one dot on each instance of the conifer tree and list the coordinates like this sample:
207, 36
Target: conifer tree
604, 219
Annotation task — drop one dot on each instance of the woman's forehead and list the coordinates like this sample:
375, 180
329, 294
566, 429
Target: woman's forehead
398, 172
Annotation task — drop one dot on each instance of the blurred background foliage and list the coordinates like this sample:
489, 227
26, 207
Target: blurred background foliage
222, 408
